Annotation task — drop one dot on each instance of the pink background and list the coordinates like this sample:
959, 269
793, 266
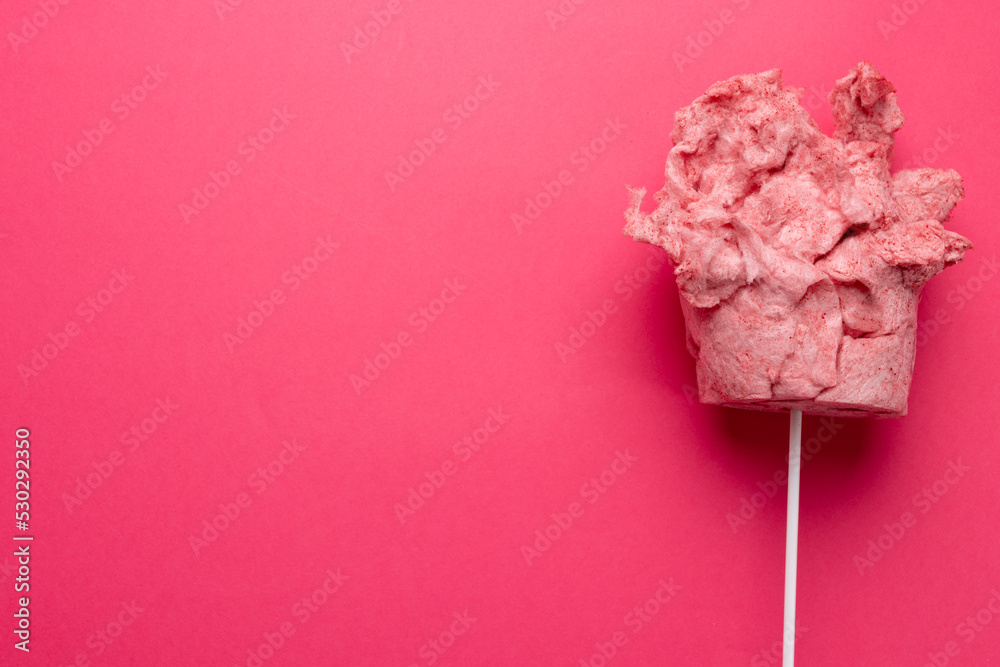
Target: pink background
672, 515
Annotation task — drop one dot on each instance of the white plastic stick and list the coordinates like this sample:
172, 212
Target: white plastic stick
792, 537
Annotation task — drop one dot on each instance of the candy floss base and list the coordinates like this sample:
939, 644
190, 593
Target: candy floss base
799, 258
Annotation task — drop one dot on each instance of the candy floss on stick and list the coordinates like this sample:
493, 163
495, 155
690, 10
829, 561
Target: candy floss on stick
799, 258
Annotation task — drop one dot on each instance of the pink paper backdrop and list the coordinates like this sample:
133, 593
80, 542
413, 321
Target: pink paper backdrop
291, 315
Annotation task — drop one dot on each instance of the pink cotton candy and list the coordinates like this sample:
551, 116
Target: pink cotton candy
798, 257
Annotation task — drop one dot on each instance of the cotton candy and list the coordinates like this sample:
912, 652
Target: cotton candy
799, 258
